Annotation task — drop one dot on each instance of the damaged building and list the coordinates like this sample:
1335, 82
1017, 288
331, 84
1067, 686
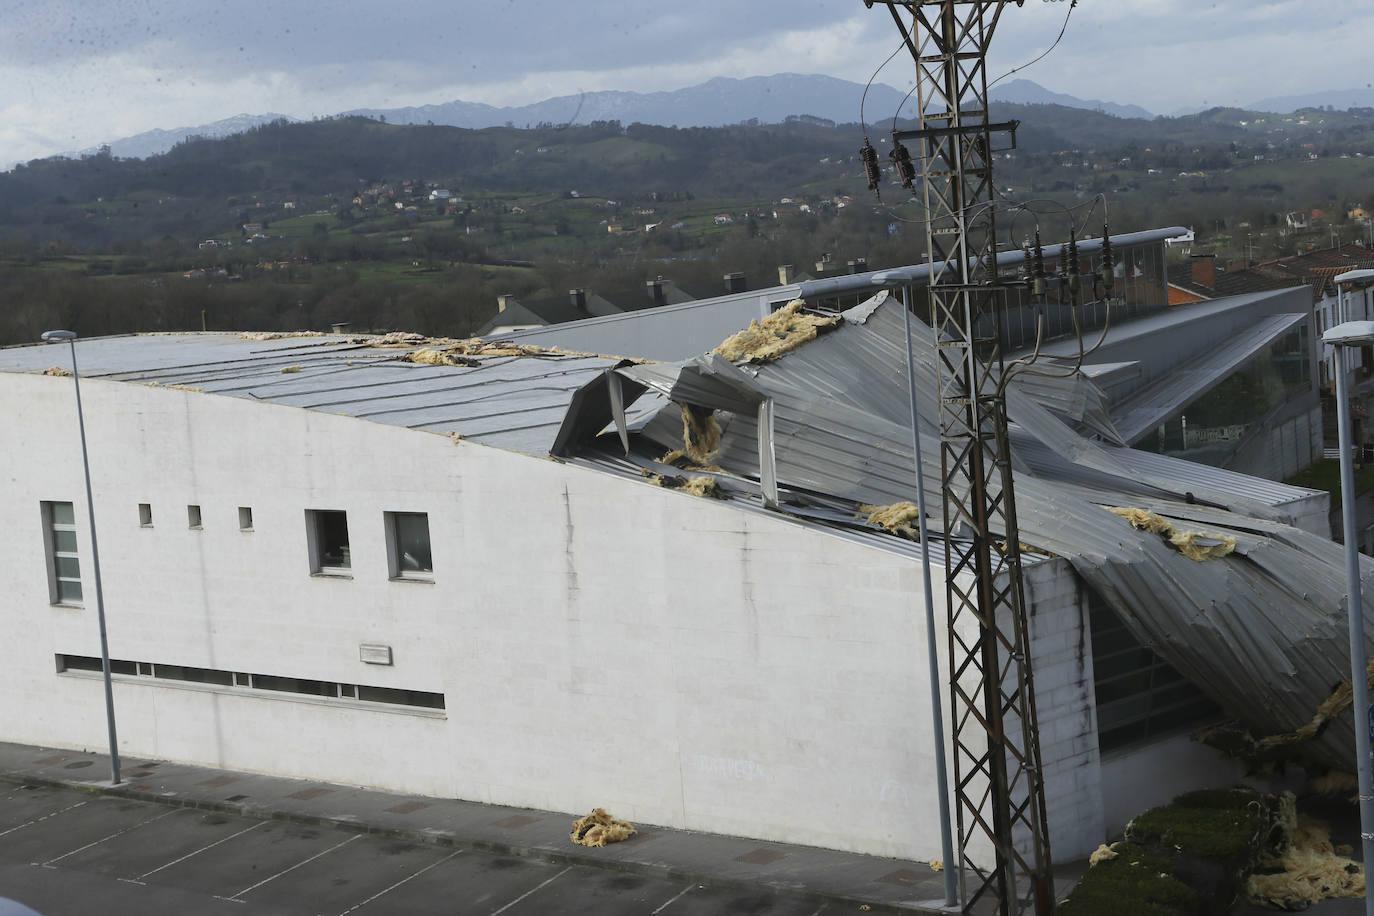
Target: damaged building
682, 586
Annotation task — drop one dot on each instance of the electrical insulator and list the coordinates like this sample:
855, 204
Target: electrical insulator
870, 159
1027, 261
906, 169
1108, 267
1073, 263
1063, 262
1039, 286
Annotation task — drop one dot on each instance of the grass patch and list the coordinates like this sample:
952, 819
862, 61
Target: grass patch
1325, 474
1186, 858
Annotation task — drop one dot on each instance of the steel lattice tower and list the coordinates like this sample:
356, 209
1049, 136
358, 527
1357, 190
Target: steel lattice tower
999, 787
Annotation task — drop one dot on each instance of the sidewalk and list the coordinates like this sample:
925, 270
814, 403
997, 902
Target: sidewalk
826, 876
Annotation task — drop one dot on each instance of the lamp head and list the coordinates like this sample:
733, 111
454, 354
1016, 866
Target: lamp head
1350, 334
51, 336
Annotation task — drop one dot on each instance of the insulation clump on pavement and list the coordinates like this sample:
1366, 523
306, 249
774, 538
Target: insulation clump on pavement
781, 332
1307, 868
599, 828
56, 370
1195, 545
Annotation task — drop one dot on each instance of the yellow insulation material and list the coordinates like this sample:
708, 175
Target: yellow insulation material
1242, 744
700, 434
432, 357
56, 370
1307, 869
899, 518
1102, 854
680, 459
185, 387
702, 486
1187, 543
697, 486
1335, 782
781, 332
599, 828
277, 335
289, 370
937, 865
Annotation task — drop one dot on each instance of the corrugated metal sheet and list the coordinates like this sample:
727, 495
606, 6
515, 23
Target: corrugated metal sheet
1140, 414
509, 402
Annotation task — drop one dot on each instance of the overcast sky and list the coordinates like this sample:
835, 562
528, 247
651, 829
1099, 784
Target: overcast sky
76, 73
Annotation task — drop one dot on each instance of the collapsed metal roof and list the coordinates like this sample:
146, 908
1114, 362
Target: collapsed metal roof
1260, 629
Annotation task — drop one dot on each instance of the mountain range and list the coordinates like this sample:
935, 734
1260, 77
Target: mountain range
717, 102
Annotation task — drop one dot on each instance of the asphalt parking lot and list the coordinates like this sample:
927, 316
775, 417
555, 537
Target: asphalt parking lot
64, 851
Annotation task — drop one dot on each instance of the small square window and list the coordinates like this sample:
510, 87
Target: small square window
407, 538
193, 516
145, 515
245, 518
327, 537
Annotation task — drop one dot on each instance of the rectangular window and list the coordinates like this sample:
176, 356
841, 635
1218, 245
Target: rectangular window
145, 515
327, 536
407, 541
245, 518
64, 567
193, 516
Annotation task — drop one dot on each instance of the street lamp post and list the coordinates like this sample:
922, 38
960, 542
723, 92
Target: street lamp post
1355, 334
70, 338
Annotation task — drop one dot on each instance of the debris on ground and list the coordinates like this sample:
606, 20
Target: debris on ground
936, 865
57, 370
1102, 854
1307, 869
599, 828
288, 370
781, 332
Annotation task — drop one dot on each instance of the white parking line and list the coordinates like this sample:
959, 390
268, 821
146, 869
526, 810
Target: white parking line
356, 836
531, 891
200, 850
399, 883
674, 900
111, 836
39, 820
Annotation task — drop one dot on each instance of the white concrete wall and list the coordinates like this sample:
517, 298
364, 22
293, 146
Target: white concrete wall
599, 641
1141, 777
1061, 644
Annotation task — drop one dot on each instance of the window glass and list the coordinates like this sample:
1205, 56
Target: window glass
412, 543
64, 566
331, 540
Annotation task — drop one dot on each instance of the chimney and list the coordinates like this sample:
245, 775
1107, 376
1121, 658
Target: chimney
503, 301
578, 298
1205, 271
735, 283
787, 275
655, 290
858, 265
